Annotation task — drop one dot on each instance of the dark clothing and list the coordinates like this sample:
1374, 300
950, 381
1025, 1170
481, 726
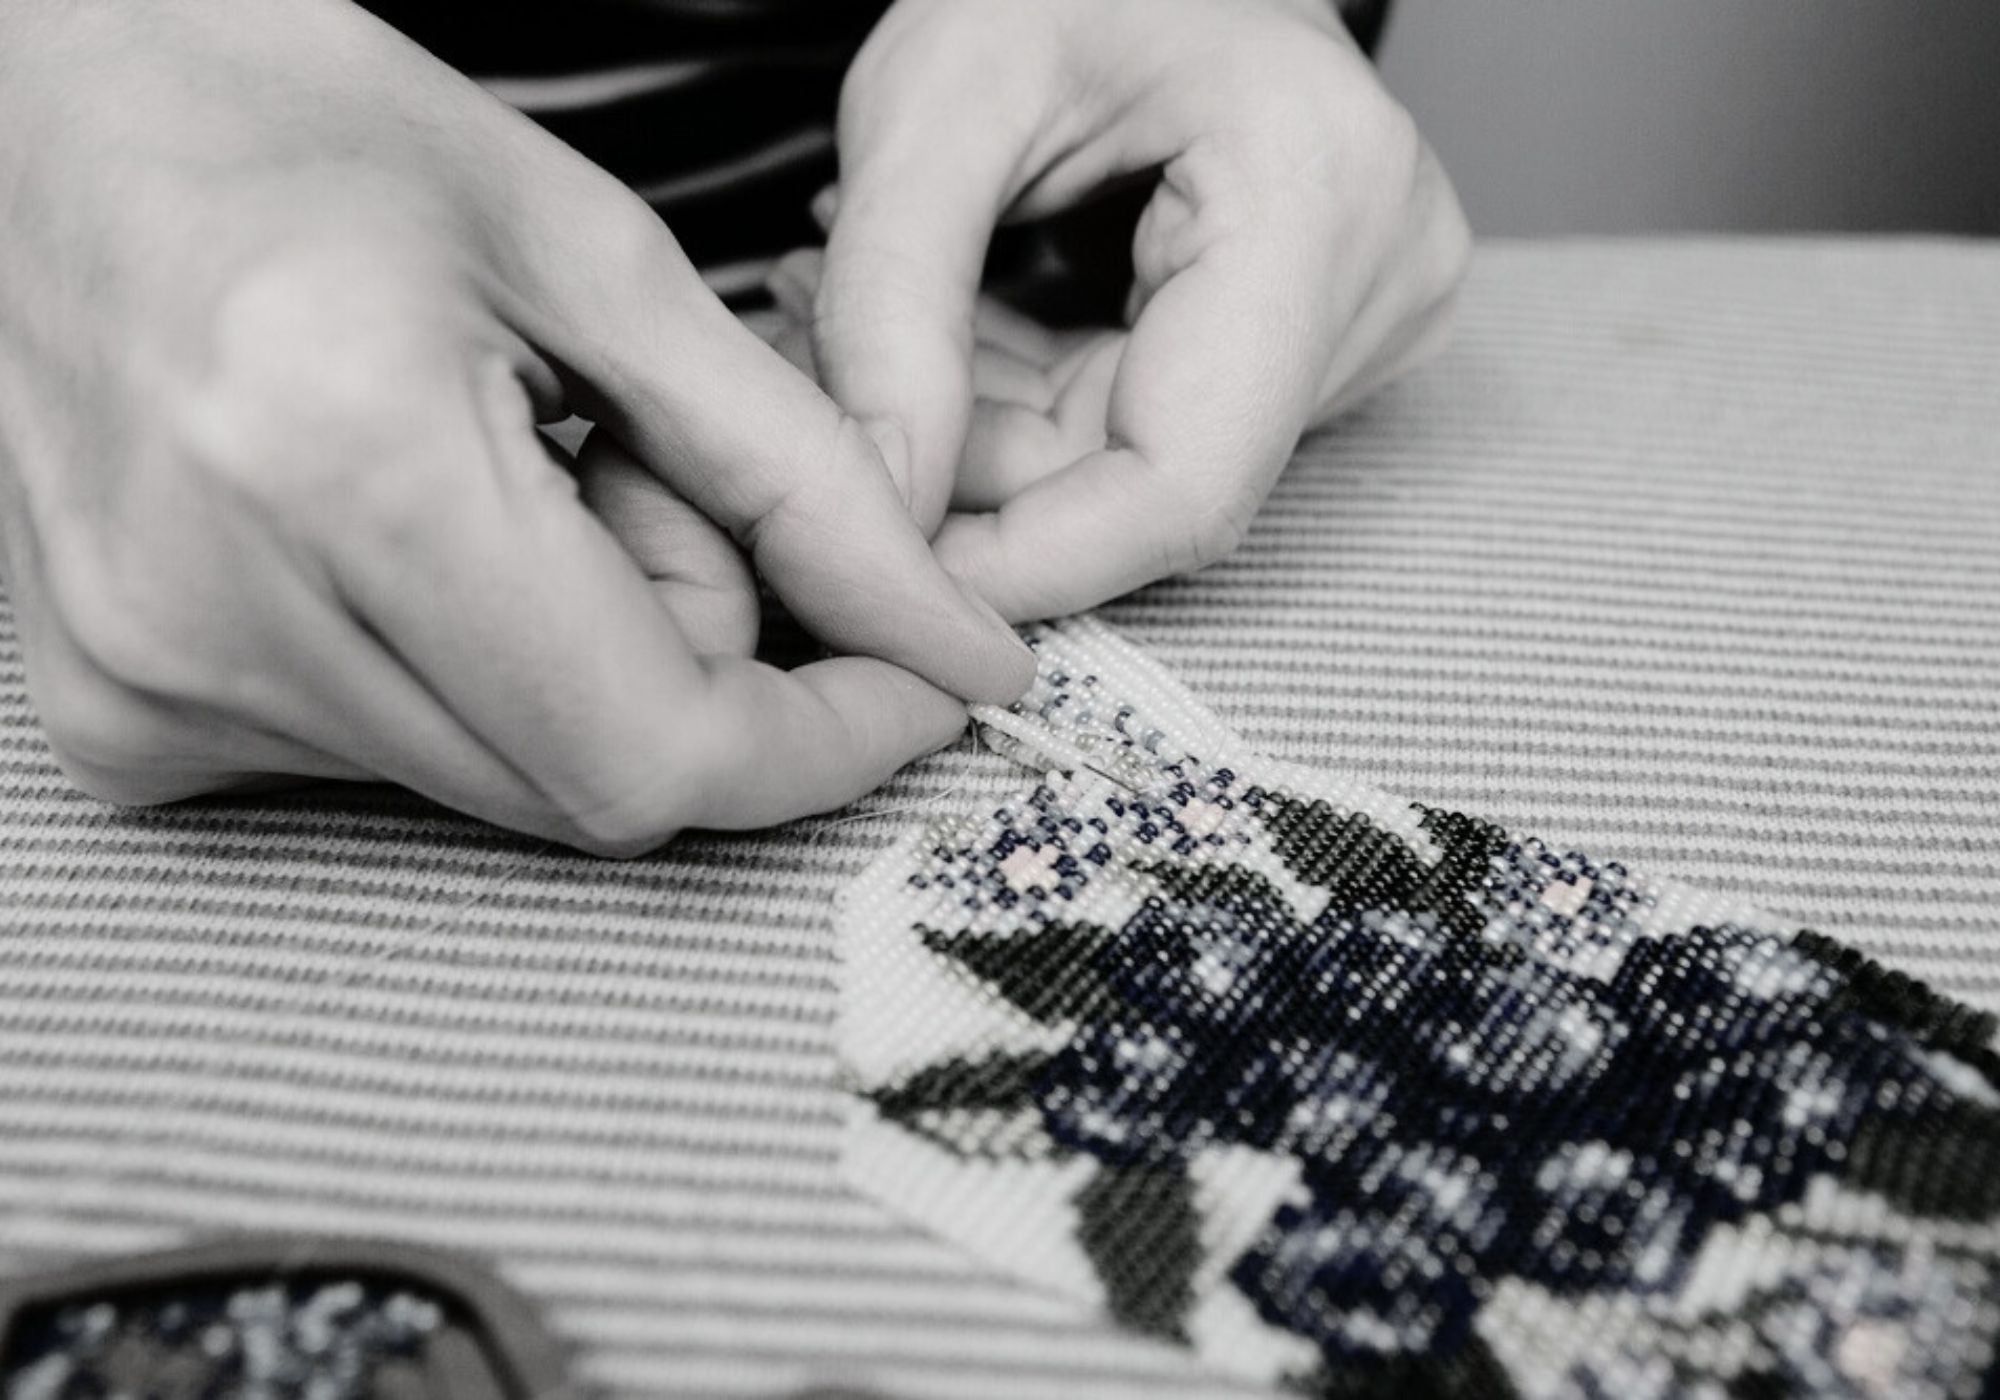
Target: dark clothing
718, 112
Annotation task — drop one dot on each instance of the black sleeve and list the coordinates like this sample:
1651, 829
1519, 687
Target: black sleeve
1364, 20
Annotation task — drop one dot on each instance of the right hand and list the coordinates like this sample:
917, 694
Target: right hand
281, 299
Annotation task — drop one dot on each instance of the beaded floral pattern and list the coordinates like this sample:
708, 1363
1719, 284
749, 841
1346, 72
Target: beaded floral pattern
1367, 1098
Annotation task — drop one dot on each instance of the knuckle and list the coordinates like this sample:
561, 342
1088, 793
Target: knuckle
612, 487
630, 242
617, 827
172, 620
1214, 516
338, 321
1387, 127
108, 742
143, 591
1214, 536
118, 787
124, 625
849, 450
719, 620
1381, 148
324, 362
821, 464
617, 806
1448, 244
1323, 107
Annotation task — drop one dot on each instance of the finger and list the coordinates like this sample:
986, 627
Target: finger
1020, 434
783, 744
996, 324
288, 686
353, 711
820, 518
138, 749
794, 282
1222, 371
826, 207
893, 323
767, 323
377, 721
1012, 357
1074, 539
794, 342
1006, 378
392, 722
346, 696
261, 756
1012, 446
757, 448
1009, 448
698, 575
533, 628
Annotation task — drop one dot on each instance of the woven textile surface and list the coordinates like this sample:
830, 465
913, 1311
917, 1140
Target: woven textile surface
1374, 1099
1687, 556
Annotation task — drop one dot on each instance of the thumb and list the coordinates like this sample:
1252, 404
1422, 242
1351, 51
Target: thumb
925, 175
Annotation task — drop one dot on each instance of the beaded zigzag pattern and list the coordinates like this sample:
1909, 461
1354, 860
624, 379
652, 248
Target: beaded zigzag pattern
1366, 1098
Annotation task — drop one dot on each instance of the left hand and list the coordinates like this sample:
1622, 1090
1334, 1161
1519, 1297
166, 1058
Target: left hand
1302, 248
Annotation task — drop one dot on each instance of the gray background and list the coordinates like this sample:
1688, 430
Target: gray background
1613, 116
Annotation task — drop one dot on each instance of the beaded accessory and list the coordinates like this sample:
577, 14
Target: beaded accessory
275, 1317
1368, 1098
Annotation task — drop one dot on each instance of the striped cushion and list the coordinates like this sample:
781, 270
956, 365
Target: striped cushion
1685, 556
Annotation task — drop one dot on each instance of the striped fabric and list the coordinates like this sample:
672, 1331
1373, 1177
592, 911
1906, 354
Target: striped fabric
719, 113
1686, 554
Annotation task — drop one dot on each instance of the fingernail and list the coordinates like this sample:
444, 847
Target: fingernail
895, 450
826, 207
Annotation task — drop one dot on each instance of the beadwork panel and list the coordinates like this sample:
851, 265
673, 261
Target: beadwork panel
1353, 1095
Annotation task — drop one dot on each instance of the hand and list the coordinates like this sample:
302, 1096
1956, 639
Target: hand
281, 300
1302, 248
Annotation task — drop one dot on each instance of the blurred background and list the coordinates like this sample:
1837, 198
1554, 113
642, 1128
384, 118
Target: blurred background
1582, 116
